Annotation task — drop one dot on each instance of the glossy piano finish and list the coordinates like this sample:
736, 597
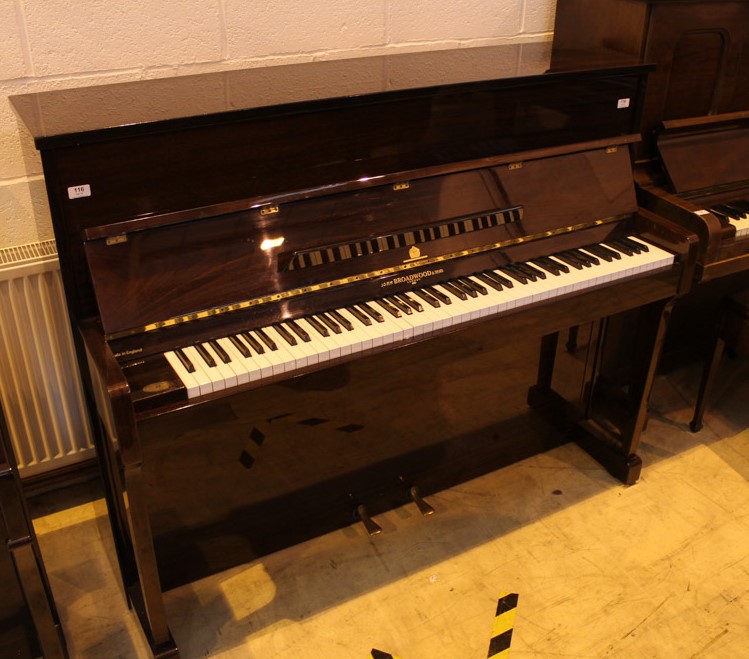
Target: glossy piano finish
29, 623
251, 150
699, 48
208, 219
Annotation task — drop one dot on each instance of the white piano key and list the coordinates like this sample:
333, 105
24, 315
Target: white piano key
208, 378
286, 357
192, 386
243, 366
225, 371
258, 362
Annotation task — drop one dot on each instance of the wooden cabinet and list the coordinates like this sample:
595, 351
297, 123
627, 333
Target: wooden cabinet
700, 49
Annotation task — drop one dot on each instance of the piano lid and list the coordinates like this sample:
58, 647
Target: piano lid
133, 106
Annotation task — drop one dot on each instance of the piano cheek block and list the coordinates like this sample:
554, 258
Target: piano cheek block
152, 384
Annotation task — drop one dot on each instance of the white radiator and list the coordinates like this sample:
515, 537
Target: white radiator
40, 385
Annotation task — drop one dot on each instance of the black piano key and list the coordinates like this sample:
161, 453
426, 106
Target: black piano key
530, 271
481, 290
360, 315
559, 264
635, 245
241, 346
428, 298
722, 209
252, 342
547, 264
516, 274
741, 204
585, 261
439, 295
371, 312
270, 343
318, 326
399, 304
329, 322
343, 322
569, 260
602, 252
507, 283
622, 247
205, 355
222, 354
590, 259
454, 290
735, 210
393, 311
189, 366
285, 334
299, 331
481, 276
540, 272
465, 287
407, 299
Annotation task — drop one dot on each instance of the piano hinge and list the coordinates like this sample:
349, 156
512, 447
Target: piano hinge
269, 210
404, 185
515, 165
116, 240
612, 149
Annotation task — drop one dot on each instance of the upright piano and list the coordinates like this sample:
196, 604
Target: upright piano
700, 49
244, 251
691, 166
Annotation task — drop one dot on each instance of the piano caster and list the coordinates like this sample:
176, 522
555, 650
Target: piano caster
424, 508
372, 527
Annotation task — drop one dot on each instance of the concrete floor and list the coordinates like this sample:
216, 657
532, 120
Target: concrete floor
659, 569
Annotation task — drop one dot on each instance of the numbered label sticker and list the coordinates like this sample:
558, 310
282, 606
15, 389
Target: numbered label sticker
622, 103
78, 191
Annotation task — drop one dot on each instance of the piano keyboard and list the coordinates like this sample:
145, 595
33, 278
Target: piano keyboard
736, 213
291, 345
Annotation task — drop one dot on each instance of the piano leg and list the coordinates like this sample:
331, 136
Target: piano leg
147, 598
118, 448
612, 439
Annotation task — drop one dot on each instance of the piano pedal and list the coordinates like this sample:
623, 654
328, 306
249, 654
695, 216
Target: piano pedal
372, 527
424, 508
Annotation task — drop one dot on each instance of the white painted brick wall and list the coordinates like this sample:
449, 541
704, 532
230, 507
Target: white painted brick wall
256, 28
99, 35
446, 20
49, 44
12, 63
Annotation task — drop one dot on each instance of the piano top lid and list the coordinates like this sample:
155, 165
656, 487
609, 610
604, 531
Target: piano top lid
705, 152
66, 116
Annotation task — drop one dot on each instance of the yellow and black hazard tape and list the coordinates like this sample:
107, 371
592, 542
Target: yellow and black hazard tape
379, 654
504, 622
261, 429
